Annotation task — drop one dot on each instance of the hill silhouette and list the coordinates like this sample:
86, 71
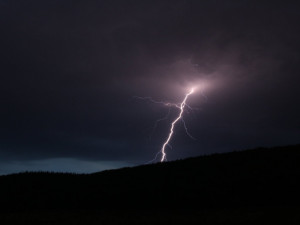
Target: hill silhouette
264, 178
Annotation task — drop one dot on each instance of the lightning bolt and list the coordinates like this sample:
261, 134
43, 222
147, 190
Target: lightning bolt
166, 143
158, 102
181, 106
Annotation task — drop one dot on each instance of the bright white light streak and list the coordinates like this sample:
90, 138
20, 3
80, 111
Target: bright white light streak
182, 105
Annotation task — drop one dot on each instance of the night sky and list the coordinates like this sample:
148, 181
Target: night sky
70, 71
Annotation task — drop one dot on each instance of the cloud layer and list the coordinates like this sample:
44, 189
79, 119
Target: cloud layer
69, 71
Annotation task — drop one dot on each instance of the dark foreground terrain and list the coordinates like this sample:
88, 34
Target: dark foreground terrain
258, 186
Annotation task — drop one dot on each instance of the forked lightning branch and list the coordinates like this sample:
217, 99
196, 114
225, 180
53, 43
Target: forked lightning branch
181, 108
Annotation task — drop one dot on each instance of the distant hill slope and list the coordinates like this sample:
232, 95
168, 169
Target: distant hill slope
252, 178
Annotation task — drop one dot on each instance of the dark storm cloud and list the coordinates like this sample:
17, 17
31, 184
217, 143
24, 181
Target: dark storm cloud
69, 70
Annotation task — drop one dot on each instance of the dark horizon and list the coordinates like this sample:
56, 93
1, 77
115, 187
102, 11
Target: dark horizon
70, 71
